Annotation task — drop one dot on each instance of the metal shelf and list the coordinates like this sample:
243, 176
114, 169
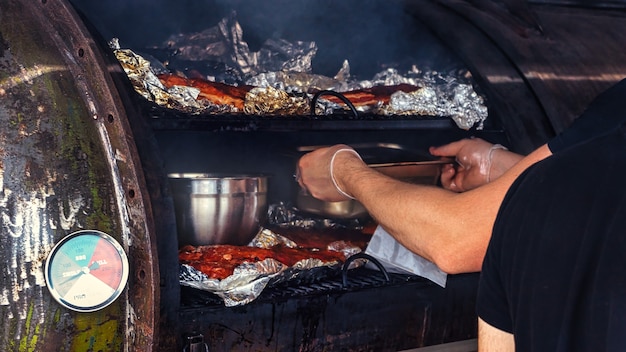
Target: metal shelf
297, 123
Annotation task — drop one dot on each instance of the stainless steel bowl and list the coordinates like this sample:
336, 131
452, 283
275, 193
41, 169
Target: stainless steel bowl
218, 209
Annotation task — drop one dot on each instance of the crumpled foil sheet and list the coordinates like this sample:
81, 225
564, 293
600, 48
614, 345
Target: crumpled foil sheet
464, 106
293, 81
283, 214
242, 287
142, 76
224, 43
271, 101
250, 279
281, 69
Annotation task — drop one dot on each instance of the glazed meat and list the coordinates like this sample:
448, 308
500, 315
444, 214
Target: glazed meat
372, 96
220, 261
215, 92
224, 94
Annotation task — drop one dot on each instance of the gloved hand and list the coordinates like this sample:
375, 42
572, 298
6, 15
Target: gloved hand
474, 164
316, 172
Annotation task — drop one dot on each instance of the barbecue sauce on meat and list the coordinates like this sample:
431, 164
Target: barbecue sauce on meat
372, 96
224, 94
220, 261
215, 92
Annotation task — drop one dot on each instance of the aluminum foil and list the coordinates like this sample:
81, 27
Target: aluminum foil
298, 82
282, 214
464, 106
271, 101
142, 75
139, 72
243, 287
268, 239
224, 43
282, 72
250, 279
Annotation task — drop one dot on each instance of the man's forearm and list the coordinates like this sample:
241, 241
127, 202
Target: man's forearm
450, 229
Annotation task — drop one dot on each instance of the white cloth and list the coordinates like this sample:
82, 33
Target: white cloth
395, 258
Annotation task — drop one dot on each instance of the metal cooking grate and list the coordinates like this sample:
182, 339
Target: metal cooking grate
357, 279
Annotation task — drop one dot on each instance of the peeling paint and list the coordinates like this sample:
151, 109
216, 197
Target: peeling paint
63, 168
26, 75
47, 192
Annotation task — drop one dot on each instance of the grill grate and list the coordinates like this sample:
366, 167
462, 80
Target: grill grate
357, 280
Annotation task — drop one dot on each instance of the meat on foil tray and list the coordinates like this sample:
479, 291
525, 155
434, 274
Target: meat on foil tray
278, 80
239, 274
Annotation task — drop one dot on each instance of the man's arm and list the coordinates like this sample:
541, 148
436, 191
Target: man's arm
450, 229
491, 338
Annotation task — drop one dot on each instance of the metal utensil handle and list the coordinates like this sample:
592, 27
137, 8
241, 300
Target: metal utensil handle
361, 255
440, 161
336, 94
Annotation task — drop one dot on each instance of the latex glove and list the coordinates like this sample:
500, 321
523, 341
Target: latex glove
316, 172
474, 158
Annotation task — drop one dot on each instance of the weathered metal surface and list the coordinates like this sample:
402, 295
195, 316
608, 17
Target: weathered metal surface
539, 66
350, 319
67, 162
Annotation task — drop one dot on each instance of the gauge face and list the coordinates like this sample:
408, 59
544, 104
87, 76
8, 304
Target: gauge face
86, 271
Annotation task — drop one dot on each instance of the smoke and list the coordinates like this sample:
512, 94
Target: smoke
371, 35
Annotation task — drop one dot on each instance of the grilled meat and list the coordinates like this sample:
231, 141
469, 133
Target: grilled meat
215, 92
220, 261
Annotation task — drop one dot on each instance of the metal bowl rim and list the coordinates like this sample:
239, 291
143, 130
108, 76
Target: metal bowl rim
214, 176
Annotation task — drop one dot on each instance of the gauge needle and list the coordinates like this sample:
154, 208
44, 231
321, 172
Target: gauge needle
84, 270
71, 278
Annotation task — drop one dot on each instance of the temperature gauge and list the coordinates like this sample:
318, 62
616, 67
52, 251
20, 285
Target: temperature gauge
86, 271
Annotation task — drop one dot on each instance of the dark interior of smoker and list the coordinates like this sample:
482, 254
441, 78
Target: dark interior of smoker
370, 35
363, 308
355, 310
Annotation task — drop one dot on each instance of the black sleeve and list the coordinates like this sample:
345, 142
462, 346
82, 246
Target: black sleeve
605, 113
492, 303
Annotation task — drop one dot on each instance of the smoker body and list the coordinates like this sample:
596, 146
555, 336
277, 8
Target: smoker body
80, 150
67, 163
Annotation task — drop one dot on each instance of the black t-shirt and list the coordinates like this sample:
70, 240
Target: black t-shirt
555, 270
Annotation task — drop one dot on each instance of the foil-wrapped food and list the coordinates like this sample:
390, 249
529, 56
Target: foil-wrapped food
239, 274
278, 80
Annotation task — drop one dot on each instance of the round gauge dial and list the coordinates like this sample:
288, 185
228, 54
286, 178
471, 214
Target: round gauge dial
86, 271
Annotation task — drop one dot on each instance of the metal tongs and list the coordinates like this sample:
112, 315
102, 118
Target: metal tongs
439, 161
383, 151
